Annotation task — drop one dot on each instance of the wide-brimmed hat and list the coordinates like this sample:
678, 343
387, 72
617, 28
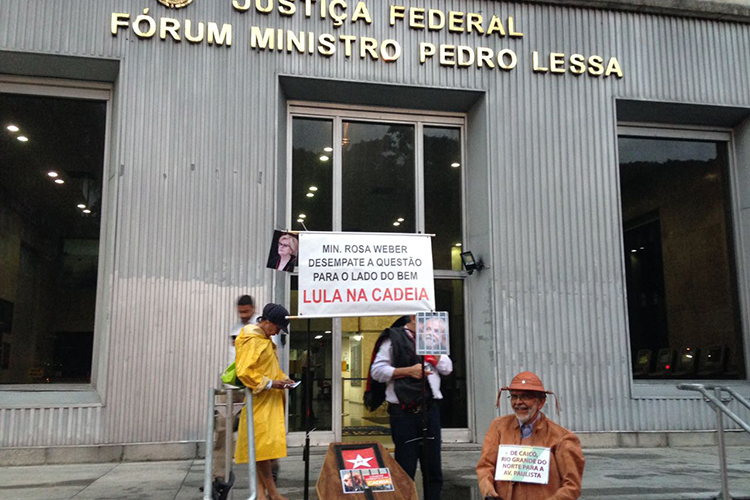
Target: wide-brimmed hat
530, 382
276, 314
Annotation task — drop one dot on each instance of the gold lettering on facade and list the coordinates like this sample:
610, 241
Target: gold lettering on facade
171, 26
577, 64
426, 50
535, 63
361, 12
396, 12
447, 55
613, 66
474, 23
416, 18
223, 37
118, 20
512, 28
150, 22
556, 62
455, 22
596, 65
188, 32
287, 7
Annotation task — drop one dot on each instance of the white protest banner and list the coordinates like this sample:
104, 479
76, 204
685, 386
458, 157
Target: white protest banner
522, 464
364, 274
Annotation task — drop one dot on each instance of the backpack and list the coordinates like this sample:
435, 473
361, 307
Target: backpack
375, 391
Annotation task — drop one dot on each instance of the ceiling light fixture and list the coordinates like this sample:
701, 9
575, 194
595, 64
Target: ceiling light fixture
400, 219
81, 205
458, 245
318, 337
59, 181
87, 211
302, 216
328, 149
455, 164
12, 128
52, 174
396, 223
324, 158
22, 138
300, 220
313, 188
310, 195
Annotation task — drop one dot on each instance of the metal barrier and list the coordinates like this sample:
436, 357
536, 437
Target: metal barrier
715, 402
229, 415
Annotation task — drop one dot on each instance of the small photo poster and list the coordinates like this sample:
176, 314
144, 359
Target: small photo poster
352, 481
356, 480
284, 252
378, 479
522, 464
433, 336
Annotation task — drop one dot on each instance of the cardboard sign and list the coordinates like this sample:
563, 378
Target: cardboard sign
362, 274
522, 464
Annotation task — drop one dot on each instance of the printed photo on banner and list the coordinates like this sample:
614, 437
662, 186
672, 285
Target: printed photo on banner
432, 333
284, 252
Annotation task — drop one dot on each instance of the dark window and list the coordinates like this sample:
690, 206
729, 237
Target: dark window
681, 281
51, 165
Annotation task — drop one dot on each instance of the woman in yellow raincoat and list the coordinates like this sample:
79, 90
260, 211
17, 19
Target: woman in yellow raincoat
258, 369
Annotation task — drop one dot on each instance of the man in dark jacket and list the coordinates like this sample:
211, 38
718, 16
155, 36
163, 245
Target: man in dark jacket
397, 365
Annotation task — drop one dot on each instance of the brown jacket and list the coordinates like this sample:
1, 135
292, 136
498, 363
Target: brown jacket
566, 461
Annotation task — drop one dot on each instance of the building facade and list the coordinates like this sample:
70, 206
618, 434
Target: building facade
594, 155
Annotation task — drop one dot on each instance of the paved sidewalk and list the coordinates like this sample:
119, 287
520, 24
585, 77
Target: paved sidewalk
622, 474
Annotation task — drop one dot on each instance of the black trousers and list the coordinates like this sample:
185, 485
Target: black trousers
406, 430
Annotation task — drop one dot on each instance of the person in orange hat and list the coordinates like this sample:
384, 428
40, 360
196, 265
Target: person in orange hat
539, 460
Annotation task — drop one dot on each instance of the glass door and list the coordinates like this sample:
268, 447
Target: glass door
374, 171
358, 338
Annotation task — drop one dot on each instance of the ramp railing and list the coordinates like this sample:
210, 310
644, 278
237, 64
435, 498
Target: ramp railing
715, 401
229, 415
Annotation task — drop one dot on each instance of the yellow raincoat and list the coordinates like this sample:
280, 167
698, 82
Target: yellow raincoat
256, 365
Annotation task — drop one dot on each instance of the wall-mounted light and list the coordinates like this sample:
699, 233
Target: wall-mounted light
470, 263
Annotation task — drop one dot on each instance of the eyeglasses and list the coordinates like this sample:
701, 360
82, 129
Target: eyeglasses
284, 245
525, 398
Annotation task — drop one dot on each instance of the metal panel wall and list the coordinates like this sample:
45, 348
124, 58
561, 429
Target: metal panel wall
195, 135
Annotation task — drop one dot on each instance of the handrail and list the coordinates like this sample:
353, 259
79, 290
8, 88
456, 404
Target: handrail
717, 402
736, 395
251, 466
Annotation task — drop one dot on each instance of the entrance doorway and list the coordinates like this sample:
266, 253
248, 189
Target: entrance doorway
365, 170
